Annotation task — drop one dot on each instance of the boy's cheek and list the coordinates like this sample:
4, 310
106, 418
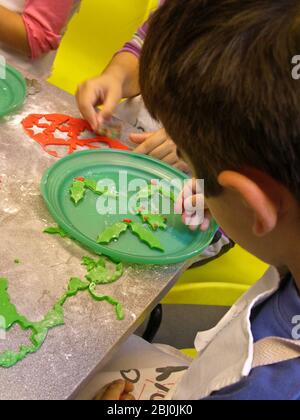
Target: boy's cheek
231, 218
215, 207
237, 222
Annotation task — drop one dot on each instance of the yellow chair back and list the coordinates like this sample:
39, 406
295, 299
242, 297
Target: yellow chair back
219, 283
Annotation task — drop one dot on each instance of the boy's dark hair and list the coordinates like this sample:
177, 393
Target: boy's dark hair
218, 74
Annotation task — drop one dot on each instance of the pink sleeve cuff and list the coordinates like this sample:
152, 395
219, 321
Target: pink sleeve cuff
44, 22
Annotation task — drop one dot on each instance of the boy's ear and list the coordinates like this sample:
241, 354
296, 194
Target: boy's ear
258, 194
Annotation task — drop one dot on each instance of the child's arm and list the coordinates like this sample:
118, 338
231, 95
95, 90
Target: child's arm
38, 29
13, 31
119, 80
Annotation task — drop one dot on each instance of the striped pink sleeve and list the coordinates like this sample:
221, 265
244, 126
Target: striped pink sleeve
136, 44
45, 21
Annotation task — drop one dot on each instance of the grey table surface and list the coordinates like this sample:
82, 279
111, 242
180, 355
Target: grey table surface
91, 335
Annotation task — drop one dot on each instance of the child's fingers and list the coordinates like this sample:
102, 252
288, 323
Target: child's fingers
206, 223
186, 192
88, 97
194, 185
127, 397
163, 150
88, 112
114, 391
151, 143
99, 91
194, 203
157, 145
139, 138
194, 214
147, 147
182, 166
193, 221
129, 387
171, 159
111, 101
197, 221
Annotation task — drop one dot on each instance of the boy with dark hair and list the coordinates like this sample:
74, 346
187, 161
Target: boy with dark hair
218, 74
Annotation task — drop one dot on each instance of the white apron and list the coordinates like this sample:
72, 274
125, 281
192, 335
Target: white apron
227, 354
41, 67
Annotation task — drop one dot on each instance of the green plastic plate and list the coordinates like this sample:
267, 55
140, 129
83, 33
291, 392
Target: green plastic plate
12, 91
84, 223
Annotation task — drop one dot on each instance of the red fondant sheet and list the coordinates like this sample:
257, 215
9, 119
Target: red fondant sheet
73, 127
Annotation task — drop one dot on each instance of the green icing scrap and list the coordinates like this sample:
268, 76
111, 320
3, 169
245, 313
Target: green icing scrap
147, 192
55, 316
156, 221
92, 186
56, 230
109, 299
153, 189
79, 188
146, 236
90, 263
77, 191
168, 194
39, 329
75, 285
101, 275
112, 232
11, 314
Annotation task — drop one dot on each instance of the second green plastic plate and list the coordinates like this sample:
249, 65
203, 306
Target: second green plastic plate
12, 91
84, 223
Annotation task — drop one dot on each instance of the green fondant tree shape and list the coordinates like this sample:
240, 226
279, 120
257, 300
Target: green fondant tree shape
97, 274
113, 232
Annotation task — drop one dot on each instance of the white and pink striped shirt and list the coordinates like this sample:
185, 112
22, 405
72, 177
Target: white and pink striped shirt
136, 44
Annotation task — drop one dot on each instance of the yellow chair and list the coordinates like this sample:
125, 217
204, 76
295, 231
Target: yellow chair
95, 33
220, 282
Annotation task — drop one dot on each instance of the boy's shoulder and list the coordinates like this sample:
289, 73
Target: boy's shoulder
276, 316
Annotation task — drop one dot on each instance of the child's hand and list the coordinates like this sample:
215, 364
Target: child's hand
191, 204
117, 391
160, 146
104, 90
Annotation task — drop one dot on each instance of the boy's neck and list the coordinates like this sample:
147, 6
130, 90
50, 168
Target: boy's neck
289, 241
296, 275
294, 267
